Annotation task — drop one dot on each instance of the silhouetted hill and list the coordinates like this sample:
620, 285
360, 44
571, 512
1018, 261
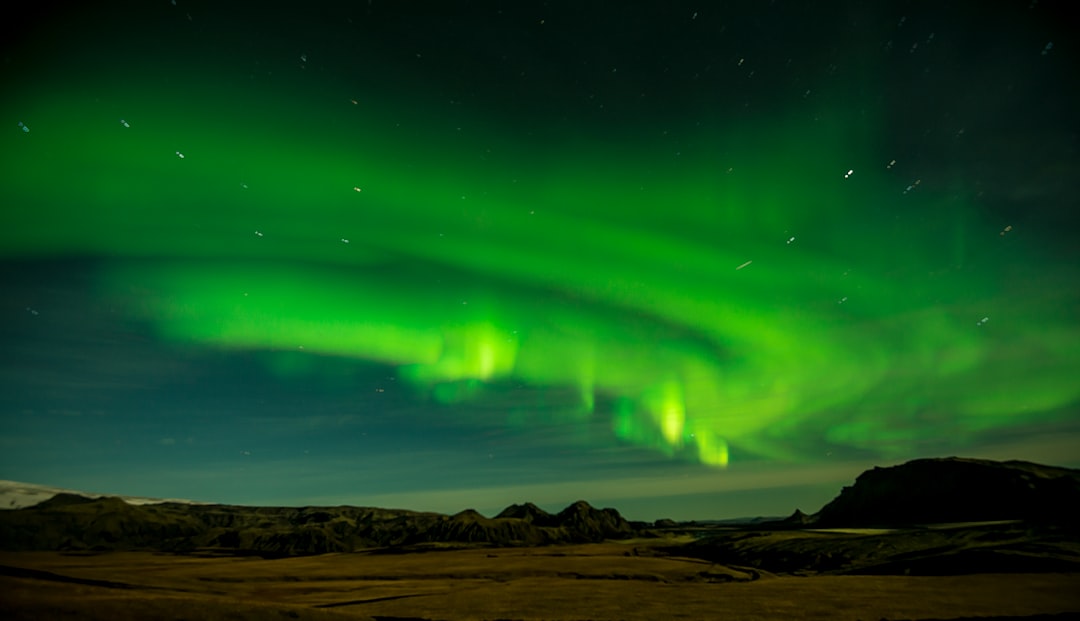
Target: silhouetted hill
798, 519
954, 489
530, 513
73, 522
1042, 500
70, 522
471, 527
586, 523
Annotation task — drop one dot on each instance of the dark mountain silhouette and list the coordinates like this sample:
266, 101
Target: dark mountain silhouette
584, 523
471, 527
64, 522
530, 513
797, 519
1042, 502
955, 489
71, 522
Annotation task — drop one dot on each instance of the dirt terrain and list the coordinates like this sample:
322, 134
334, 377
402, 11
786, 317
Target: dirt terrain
879, 551
615, 580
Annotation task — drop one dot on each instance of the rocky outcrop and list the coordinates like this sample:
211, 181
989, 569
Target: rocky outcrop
103, 523
71, 522
797, 519
927, 491
586, 523
530, 513
471, 527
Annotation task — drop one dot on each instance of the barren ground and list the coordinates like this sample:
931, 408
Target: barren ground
624, 580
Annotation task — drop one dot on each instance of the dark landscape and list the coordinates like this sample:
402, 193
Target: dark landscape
540, 311
930, 539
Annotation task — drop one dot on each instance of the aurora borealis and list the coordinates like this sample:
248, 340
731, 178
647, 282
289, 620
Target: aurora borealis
391, 253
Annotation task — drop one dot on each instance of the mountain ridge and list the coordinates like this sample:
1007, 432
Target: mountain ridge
955, 489
919, 492
20, 495
72, 522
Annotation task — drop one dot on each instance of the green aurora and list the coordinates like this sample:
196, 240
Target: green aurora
762, 286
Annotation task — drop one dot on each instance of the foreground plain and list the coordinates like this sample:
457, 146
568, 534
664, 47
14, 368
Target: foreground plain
616, 580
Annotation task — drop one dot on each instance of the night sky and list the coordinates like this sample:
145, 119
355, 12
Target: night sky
690, 260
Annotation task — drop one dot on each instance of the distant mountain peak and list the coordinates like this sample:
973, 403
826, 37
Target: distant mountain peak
579, 507
798, 518
528, 512
468, 514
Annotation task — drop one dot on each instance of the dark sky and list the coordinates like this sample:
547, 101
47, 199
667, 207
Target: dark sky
684, 259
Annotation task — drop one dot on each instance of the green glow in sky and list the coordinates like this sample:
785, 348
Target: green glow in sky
740, 289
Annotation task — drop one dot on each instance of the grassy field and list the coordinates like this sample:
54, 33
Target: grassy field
628, 580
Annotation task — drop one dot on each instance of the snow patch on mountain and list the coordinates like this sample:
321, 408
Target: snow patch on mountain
18, 495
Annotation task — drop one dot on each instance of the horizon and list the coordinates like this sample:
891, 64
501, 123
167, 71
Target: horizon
443, 502
687, 262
